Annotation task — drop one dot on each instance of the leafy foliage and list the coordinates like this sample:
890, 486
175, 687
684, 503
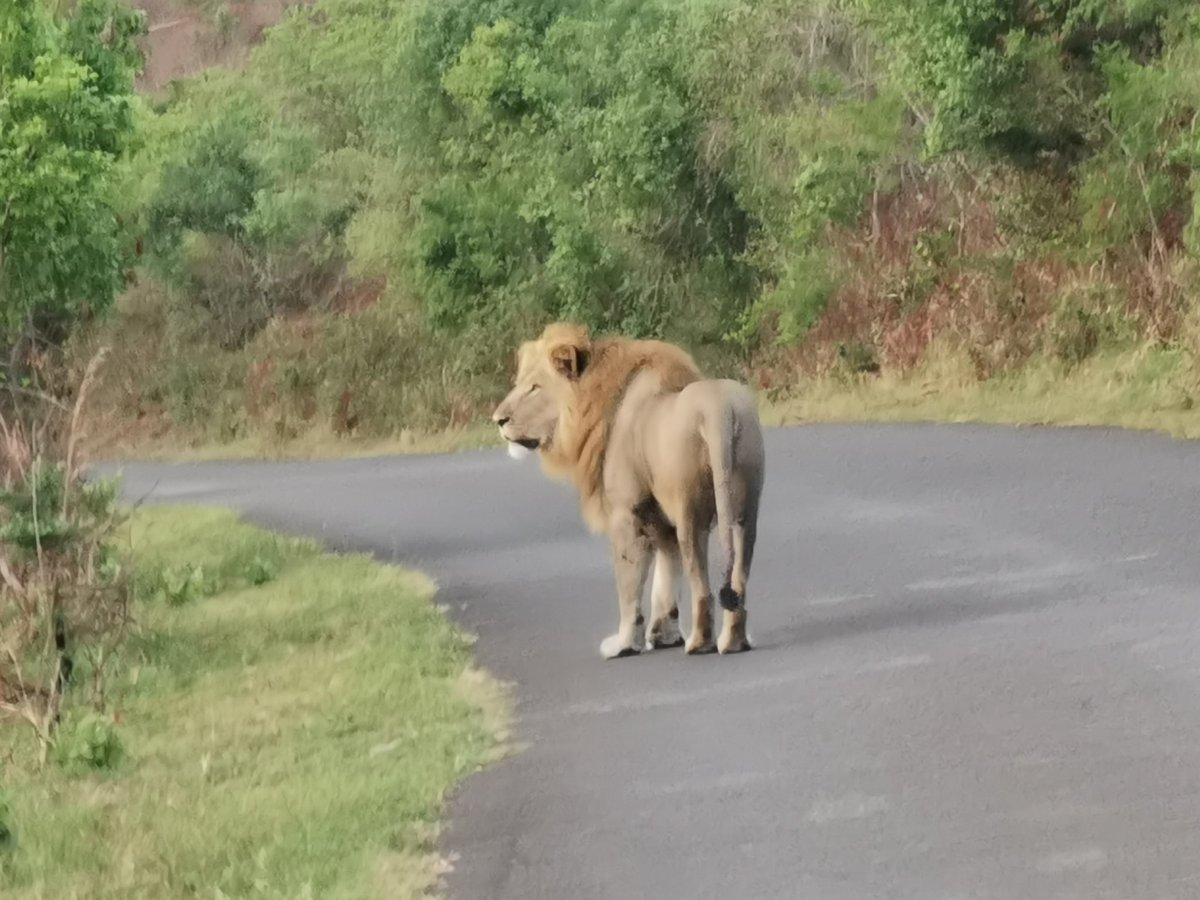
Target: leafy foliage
759, 180
88, 742
66, 98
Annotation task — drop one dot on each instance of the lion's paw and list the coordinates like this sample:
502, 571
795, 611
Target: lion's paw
617, 646
728, 644
698, 645
664, 635
664, 643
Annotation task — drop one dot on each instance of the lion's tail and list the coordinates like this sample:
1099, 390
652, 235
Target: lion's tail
735, 526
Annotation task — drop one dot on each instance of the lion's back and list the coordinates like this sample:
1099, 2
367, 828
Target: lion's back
616, 363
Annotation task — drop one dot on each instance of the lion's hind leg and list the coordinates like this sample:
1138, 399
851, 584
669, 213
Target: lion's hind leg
693, 547
664, 608
734, 638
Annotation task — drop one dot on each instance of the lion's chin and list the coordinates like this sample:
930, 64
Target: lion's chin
518, 451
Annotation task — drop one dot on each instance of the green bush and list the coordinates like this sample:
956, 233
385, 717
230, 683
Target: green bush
1086, 321
184, 585
64, 595
66, 88
88, 743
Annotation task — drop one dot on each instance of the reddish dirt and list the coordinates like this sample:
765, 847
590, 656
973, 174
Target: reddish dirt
184, 39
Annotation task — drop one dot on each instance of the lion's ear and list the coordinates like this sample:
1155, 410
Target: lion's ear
569, 360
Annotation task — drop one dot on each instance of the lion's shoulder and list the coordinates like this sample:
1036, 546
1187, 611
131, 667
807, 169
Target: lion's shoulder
587, 427
617, 361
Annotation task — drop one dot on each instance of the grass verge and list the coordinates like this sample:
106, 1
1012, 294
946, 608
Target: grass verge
310, 445
291, 722
1151, 389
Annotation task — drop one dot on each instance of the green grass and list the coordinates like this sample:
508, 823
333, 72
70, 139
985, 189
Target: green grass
291, 722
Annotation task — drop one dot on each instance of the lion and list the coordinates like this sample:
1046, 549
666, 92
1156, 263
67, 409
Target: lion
657, 453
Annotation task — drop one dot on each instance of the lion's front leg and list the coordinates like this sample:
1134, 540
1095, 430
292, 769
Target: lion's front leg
664, 607
631, 559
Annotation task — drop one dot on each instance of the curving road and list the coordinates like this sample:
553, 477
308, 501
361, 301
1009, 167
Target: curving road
978, 672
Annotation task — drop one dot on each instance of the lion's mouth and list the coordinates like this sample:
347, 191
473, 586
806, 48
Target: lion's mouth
527, 443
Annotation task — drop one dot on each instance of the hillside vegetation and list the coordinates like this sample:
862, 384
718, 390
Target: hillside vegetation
349, 235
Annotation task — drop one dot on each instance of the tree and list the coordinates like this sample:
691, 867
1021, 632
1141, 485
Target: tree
66, 116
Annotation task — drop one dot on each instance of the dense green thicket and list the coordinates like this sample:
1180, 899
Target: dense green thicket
827, 178
66, 87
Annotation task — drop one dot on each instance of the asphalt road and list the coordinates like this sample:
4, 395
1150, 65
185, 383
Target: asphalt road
977, 674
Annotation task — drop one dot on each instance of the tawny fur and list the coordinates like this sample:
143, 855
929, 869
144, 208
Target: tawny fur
658, 454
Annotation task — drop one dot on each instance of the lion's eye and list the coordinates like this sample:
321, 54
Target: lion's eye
534, 387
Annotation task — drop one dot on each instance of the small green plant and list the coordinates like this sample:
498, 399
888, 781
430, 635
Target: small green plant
183, 584
1085, 321
859, 358
226, 22
7, 837
88, 743
260, 570
1076, 335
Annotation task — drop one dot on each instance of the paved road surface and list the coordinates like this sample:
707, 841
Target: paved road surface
978, 672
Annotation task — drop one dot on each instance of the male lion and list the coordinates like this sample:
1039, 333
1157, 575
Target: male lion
657, 454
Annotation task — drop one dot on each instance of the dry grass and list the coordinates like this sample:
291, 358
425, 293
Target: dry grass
1150, 389
311, 445
1147, 389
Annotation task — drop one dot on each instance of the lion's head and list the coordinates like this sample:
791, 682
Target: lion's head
546, 368
566, 392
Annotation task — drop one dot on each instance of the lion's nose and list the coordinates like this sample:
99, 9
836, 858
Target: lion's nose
500, 419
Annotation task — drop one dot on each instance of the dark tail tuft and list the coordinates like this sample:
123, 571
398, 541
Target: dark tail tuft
730, 599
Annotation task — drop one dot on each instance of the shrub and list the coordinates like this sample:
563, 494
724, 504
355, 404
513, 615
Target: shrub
63, 588
86, 743
185, 584
66, 90
1086, 320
